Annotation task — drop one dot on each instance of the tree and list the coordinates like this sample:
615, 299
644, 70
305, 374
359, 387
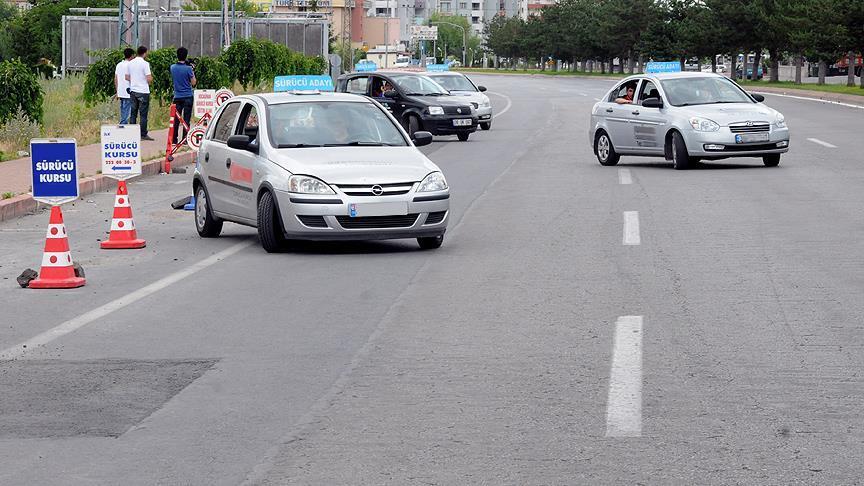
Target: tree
450, 36
502, 36
244, 6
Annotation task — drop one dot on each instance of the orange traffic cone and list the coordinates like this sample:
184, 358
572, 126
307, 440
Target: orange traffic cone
123, 234
56, 271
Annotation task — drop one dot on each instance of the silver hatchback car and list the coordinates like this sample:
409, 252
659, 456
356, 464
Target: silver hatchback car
685, 117
317, 166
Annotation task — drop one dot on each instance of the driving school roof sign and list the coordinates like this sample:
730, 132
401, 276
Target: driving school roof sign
663, 67
437, 67
303, 83
54, 165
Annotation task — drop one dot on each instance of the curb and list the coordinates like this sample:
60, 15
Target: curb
24, 204
837, 98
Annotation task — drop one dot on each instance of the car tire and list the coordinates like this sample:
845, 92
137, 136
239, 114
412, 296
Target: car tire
430, 242
606, 153
269, 224
680, 158
486, 125
413, 125
208, 226
771, 160
463, 137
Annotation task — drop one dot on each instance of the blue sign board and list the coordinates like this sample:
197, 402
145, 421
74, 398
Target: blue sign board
663, 67
365, 67
303, 83
54, 165
437, 67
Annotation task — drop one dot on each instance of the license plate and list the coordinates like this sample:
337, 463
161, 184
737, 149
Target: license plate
751, 137
378, 209
462, 122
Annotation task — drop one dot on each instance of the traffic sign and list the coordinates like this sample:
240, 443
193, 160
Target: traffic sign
195, 136
663, 67
424, 32
205, 102
223, 95
54, 165
303, 83
121, 151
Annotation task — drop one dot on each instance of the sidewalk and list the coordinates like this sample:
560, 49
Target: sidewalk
15, 174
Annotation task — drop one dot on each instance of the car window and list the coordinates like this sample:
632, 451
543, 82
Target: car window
357, 85
416, 85
248, 123
331, 123
621, 90
223, 127
454, 83
703, 91
648, 90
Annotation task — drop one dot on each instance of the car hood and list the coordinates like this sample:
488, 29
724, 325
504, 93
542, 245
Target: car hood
474, 96
357, 165
724, 114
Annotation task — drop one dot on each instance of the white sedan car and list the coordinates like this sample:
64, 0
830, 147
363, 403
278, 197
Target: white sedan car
317, 167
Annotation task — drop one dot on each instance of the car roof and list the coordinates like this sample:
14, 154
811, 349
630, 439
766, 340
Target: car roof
444, 73
305, 97
682, 74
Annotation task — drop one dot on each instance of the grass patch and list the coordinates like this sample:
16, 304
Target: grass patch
7, 195
825, 88
548, 72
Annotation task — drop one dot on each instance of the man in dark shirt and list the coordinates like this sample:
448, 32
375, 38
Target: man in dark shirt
184, 80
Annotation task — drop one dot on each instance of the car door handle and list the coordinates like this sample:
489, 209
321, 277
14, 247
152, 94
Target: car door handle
207, 157
228, 164
635, 112
609, 110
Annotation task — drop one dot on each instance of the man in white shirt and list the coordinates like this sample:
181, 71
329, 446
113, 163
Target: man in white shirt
139, 85
121, 84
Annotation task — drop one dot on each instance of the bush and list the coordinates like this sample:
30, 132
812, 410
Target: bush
99, 81
255, 61
160, 66
211, 73
19, 90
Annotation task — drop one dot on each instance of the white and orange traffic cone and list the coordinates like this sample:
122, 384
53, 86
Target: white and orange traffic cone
123, 234
57, 271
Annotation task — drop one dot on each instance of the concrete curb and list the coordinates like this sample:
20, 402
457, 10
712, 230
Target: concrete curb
24, 204
814, 95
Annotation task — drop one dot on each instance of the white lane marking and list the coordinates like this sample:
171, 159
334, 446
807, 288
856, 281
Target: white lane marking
822, 143
830, 102
182, 182
624, 176
583, 94
509, 103
596, 99
76, 323
624, 404
631, 228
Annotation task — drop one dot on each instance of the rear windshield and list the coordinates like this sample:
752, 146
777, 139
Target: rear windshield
332, 124
703, 91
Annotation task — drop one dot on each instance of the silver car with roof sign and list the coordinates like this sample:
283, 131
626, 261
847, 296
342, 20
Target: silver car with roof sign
317, 167
686, 117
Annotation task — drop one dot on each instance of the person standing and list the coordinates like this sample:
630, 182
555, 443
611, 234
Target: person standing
140, 79
121, 84
183, 77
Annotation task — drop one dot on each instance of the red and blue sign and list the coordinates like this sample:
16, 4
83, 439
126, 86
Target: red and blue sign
54, 165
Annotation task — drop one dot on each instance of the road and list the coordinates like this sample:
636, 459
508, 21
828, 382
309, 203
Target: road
580, 325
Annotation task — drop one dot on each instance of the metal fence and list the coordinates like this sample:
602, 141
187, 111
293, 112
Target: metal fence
83, 35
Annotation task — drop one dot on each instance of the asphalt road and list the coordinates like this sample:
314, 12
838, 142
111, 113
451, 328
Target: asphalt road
580, 325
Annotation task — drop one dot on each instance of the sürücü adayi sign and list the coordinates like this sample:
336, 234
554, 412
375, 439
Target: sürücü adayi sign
303, 83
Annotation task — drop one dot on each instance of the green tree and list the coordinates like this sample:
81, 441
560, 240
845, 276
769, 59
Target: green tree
450, 36
19, 90
244, 6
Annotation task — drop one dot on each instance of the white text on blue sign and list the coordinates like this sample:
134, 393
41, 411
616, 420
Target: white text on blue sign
303, 83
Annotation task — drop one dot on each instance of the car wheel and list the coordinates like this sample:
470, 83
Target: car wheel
206, 224
430, 242
269, 225
680, 158
462, 136
486, 125
413, 125
771, 160
606, 154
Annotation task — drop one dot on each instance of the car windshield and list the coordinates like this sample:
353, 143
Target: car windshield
332, 124
703, 91
415, 85
454, 83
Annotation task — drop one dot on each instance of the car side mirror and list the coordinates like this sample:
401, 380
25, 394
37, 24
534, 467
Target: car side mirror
481, 88
391, 93
422, 138
242, 142
653, 103
758, 97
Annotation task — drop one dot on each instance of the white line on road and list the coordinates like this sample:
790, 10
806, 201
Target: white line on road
624, 404
624, 176
509, 103
631, 228
76, 323
831, 102
822, 143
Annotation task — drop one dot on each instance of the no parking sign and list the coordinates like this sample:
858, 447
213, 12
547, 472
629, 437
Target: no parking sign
54, 164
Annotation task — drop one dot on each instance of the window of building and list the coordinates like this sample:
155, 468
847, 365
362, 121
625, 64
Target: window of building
475, 6
463, 5
475, 20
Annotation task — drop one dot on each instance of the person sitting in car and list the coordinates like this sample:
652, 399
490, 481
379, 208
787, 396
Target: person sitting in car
382, 88
628, 97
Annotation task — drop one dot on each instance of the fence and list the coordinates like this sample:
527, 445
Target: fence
83, 35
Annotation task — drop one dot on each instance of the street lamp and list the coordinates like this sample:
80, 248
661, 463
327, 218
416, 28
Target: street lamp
464, 37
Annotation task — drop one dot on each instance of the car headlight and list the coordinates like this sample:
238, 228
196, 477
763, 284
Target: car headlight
436, 110
486, 103
308, 185
433, 182
781, 121
704, 125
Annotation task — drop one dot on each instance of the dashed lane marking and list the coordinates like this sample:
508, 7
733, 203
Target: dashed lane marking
822, 143
624, 403
631, 228
624, 176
